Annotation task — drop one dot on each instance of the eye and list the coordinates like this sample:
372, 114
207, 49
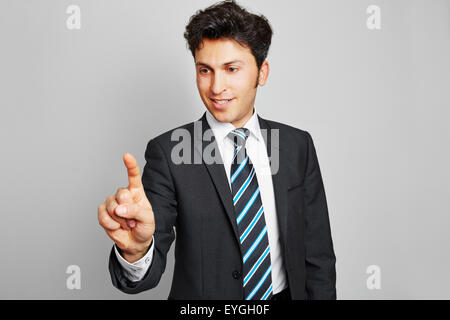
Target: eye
203, 70
232, 69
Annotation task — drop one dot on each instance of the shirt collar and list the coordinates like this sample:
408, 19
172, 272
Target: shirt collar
222, 129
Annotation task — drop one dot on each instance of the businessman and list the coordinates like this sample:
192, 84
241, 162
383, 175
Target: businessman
252, 224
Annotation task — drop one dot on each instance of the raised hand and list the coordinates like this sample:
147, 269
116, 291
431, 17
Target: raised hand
127, 216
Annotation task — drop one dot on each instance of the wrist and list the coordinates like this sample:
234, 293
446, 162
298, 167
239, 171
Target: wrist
132, 257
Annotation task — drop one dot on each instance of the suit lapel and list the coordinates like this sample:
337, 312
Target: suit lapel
218, 175
278, 179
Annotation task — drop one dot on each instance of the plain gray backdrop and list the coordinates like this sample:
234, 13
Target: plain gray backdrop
376, 103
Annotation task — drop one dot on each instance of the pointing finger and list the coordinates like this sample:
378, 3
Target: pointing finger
134, 175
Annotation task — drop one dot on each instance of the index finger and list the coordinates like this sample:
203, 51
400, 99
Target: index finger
134, 175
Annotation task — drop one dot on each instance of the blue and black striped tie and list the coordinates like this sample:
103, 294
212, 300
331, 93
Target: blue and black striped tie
250, 220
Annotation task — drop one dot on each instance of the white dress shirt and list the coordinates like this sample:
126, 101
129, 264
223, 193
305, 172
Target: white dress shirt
257, 152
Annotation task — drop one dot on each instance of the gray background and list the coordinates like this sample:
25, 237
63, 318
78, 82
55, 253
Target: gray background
376, 103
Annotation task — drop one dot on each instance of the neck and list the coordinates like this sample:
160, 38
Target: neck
241, 122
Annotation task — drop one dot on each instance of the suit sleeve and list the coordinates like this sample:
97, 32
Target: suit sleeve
160, 191
319, 252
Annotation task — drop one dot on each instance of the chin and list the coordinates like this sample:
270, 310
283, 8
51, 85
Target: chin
223, 116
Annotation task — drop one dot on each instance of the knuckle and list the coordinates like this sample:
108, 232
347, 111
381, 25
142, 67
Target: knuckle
111, 207
119, 191
104, 220
100, 213
123, 196
109, 201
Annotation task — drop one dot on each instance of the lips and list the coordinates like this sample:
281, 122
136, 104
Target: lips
221, 104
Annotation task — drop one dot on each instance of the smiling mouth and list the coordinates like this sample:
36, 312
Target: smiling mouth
221, 101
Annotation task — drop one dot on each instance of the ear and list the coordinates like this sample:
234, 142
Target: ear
263, 73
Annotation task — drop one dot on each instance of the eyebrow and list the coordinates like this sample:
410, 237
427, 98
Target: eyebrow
199, 63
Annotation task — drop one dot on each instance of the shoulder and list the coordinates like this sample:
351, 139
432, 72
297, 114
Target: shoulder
289, 134
168, 135
167, 139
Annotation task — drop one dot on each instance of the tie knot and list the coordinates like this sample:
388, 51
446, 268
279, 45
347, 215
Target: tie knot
239, 136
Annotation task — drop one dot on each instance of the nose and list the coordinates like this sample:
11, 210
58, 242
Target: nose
218, 84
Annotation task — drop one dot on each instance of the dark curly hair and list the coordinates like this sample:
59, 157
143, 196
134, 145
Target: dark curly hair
227, 19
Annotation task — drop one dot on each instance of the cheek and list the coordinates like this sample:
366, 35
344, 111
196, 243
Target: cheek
243, 93
244, 82
202, 84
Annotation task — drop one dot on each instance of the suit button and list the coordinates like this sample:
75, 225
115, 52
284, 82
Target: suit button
236, 274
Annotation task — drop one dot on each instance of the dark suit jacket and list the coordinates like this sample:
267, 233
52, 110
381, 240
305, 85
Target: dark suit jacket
197, 201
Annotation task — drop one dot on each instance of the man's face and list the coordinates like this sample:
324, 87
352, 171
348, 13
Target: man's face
227, 79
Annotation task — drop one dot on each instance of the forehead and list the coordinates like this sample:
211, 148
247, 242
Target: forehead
219, 51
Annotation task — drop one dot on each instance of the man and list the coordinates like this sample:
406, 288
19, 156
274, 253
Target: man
253, 224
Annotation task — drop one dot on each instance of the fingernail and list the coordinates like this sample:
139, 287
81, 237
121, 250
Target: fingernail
121, 210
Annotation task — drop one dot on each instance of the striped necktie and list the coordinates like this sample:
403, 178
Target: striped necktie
249, 210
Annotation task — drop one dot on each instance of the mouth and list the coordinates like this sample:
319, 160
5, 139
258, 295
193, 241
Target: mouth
221, 104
